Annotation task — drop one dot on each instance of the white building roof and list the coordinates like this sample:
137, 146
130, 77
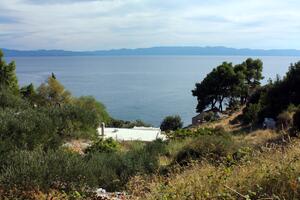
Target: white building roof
137, 133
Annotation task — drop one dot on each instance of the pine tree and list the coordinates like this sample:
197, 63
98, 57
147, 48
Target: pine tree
8, 78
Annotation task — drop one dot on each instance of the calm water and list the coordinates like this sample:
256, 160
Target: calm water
146, 88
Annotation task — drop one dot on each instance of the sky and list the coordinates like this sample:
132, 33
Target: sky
113, 24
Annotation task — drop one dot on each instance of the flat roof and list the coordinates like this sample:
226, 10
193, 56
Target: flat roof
136, 133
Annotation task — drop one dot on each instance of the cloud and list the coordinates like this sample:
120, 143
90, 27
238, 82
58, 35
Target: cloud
7, 20
59, 1
106, 24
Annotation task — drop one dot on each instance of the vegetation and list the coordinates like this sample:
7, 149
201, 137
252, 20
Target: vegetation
296, 120
272, 174
171, 123
206, 162
8, 78
228, 84
103, 146
64, 170
270, 101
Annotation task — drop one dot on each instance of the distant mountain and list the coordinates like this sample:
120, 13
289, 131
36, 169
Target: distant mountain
214, 51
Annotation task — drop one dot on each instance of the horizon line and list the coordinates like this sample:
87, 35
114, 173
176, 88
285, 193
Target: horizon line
151, 47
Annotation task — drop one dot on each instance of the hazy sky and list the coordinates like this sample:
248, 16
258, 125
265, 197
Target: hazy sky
106, 24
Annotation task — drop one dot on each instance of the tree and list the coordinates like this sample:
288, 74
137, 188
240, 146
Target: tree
53, 93
171, 123
253, 72
217, 86
275, 97
28, 92
250, 74
8, 78
228, 84
91, 104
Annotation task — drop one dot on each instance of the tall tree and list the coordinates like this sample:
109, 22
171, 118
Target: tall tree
8, 78
252, 71
53, 93
217, 86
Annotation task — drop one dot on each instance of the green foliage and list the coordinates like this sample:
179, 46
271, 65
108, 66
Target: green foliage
90, 104
10, 100
126, 124
171, 123
34, 125
26, 129
73, 121
8, 78
45, 117
185, 133
63, 170
103, 146
227, 83
213, 148
53, 93
252, 70
28, 92
285, 120
277, 96
251, 113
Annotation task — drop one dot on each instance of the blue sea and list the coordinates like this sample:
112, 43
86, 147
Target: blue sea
137, 87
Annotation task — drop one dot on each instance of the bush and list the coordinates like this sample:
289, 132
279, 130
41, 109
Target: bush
285, 120
90, 104
27, 129
103, 146
250, 113
64, 170
73, 121
185, 133
213, 148
209, 116
277, 96
296, 120
10, 100
171, 123
115, 123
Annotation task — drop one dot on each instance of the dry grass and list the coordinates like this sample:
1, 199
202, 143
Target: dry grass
224, 122
258, 137
272, 174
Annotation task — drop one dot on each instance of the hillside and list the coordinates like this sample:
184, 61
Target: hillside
158, 51
268, 169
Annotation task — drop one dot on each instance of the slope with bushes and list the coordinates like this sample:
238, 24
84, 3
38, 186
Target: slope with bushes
221, 159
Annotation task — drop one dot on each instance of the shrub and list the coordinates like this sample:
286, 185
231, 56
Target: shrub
296, 120
64, 170
210, 116
73, 121
250, 113
184, 133
40, 169
126, 124
10, 100
277, 96
285, 120
52, 92
90, 104
214, 148
171, 123
27, 129
103, 146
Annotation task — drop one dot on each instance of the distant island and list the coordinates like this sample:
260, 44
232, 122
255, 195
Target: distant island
158, 51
